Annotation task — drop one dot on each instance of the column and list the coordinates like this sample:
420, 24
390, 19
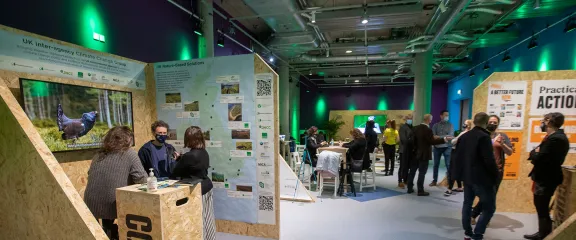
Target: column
422, 69
207, 13
284, 92
295, 107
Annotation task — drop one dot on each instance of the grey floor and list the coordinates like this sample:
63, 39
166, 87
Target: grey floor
404, 217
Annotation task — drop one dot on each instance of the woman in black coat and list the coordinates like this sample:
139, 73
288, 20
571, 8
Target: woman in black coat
371, 141
312, 145
357, 147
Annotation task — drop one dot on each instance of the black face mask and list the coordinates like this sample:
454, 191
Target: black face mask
464, 126
543, 127
491, 127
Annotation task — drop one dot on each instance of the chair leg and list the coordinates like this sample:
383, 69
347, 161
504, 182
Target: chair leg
374, 180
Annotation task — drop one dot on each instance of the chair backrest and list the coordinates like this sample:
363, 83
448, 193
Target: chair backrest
300, 148
373, 159
296, 157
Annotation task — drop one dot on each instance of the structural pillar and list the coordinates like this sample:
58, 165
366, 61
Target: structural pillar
295, 107
284, 90
422, 69
207, 13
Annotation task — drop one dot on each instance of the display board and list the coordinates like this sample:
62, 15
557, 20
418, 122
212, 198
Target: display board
536, 134
508, 101
512, 163
553, 96
234, 107
379, 121
26, 53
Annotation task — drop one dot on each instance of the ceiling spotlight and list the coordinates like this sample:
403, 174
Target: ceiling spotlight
298, 84
412, 48
486, 66
348, 51
472, 74
536, 4
506, 57
356, 80
570, 25
310, 72
271, 59
220, 41
307, 91
197, 28
313, 17
364, 17
459, 91
533, 43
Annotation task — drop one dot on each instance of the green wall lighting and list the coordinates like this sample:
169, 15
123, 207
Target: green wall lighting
98, 37
382, 104
185, 53
294, 127
321, 74
544, 61
320, 108
201, 47
517, 66
412, 106
91, 25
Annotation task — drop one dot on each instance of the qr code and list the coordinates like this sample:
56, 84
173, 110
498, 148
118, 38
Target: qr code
266, 203
264, 88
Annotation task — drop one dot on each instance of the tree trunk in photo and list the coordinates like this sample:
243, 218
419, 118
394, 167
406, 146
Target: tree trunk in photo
49, 104
100, 113
28, 104
121, 110
129, 110
107, 108
114, 109
40, 108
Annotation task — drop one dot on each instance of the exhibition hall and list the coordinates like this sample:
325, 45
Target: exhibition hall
288, 119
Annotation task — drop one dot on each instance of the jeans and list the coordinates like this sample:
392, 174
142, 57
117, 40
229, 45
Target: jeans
438, 152
487, 196
422, 167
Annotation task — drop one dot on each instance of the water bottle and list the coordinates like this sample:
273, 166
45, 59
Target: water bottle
332, 142
152, 182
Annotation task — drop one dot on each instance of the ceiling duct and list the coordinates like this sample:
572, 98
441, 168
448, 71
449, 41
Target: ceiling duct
314, 59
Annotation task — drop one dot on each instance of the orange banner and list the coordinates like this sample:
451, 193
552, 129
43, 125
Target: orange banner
536, 135
512, 164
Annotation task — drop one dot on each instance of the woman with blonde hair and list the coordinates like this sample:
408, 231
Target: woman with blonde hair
115, 165
391, 139
467, 126
194, 165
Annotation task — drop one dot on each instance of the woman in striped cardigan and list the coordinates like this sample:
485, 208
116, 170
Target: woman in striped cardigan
116, 165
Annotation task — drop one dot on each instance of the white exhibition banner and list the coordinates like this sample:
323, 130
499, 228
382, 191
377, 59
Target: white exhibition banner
508, 101
21, 53
553, 96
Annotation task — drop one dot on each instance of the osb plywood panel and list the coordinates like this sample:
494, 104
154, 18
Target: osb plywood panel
566, 231
516, 195
348, 118
76, 163
168, 221
261, 230
38, 199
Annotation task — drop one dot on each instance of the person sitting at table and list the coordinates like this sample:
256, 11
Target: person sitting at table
194, 165
356, 147
115, 165
312, 145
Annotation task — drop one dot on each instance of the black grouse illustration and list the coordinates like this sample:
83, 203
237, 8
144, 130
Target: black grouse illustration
75, 128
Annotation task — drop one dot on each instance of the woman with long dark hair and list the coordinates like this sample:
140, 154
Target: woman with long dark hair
194, 165
357, 146
312, 145
371, 142
391, 139
115, 165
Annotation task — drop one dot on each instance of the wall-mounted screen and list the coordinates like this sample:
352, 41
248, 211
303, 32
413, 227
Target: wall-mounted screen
70, 117
360, 122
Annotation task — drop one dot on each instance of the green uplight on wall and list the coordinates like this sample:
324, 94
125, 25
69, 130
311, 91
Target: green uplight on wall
412, 106
185, 53
351, 107
382, 104
321, 74
544, 60
517, 66
320, 108
92, 28
294, 127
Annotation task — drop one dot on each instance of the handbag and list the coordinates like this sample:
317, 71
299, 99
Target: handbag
358, 165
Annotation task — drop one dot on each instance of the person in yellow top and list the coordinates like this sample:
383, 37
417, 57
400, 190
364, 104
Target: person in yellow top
391, 139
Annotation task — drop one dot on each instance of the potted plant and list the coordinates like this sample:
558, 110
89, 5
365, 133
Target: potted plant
332, 127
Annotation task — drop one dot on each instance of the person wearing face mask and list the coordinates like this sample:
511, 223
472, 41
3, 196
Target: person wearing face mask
465, 128
502, 148
158, 154
546, 174
405, 150
442, 129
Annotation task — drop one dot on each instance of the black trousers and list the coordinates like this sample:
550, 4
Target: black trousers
404, 169
542, 197
389, 154
451, 180
476, 210
110, 228
422, 167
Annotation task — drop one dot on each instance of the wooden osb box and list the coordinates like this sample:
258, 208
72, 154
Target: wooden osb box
169, 213
565, 203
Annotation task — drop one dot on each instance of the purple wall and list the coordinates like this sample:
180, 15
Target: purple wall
315, 106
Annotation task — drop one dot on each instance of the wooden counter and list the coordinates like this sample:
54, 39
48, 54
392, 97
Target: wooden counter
169, 213
565, 200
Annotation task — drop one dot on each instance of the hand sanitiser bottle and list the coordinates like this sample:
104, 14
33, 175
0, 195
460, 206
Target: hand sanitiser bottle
152, 183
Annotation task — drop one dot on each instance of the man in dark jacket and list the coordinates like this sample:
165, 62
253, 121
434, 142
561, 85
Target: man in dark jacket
479, 172
547, 172
423, 140
158, 154
405, 149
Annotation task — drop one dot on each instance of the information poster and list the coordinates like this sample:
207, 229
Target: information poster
536, 134
507, 100
220, 96
264, 86
21, 53
512, 163
553, 96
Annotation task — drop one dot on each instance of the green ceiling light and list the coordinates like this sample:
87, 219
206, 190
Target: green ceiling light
220, 41
197, 28
321, 74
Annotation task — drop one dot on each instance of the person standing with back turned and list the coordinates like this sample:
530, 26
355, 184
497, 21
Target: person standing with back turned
405, 149
442, 129
547, 172
423, 139
477, 168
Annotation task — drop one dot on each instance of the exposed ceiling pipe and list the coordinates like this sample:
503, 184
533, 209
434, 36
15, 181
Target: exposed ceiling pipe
485, 10
435, 18
448, 24
361, 78
428, 42
234, 41
186, 10
369, 85
313, 59
446, 36
347, 7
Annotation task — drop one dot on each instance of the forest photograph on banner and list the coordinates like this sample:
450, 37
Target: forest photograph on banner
553, 96
70, 117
